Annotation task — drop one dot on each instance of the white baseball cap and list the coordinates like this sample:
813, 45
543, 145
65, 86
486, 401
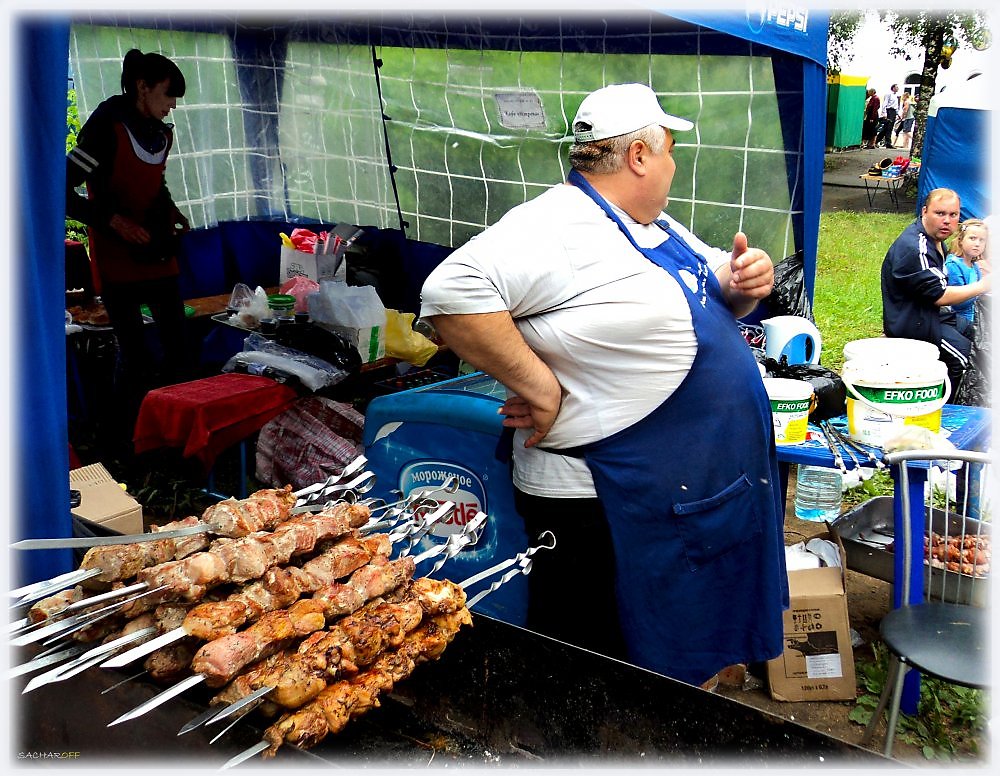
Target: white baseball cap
619, 109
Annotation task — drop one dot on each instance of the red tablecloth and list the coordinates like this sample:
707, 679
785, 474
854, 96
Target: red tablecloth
206, 416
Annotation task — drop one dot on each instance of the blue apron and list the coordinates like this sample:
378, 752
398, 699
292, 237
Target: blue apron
692, 496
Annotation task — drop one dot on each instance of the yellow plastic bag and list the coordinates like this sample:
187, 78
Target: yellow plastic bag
402, 342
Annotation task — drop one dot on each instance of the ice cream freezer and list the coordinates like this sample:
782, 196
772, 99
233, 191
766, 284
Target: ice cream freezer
420, 437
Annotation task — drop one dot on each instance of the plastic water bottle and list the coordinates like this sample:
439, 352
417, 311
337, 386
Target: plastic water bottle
818, 494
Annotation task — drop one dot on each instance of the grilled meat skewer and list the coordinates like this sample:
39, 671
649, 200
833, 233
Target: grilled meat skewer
246, 558
220, 660
346, 699
231, 517
278, 588
297, 676
270, 632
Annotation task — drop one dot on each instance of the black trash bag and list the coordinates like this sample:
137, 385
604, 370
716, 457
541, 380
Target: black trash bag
974, 389
831, 394
789, 297
331, 346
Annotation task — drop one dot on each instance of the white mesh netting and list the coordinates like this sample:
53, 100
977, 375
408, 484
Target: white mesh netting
298, 132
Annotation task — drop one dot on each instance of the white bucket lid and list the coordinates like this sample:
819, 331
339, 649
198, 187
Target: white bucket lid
783, 388
890, 349
892, 373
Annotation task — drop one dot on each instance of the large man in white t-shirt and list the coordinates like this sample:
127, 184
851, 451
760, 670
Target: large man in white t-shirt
644, 438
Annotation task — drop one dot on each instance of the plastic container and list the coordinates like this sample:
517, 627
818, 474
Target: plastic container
282, 306
791, 401
818, 493
884, 397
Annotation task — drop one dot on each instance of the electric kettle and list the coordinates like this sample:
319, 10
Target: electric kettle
794, 337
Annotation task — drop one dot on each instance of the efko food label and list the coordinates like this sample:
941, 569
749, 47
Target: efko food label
469, 499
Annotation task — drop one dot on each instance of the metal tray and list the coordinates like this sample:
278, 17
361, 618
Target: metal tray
867, 534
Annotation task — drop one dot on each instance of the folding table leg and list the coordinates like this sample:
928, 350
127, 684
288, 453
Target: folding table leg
893, 187
241, 486
870, 191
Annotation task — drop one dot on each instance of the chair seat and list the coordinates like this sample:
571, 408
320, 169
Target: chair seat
948, 641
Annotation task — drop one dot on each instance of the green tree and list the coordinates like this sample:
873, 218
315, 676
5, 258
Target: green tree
74, 229
939, 35
843, 27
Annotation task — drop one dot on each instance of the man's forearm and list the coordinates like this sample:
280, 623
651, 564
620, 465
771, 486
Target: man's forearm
492, 343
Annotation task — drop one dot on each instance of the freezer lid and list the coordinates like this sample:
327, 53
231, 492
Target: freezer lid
469, 402
477, 382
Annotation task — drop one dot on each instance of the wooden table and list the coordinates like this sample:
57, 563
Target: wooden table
891, 185
207, 306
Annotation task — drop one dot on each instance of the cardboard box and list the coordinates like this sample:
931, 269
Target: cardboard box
818, 661
369, 341
103, 501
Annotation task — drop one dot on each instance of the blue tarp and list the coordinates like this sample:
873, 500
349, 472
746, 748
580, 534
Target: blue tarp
40, 504
41, 454
956, 150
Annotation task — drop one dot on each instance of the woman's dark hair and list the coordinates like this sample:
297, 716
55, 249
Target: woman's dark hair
151, 68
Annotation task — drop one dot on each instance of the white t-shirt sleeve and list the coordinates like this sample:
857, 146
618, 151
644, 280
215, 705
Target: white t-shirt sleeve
520, 265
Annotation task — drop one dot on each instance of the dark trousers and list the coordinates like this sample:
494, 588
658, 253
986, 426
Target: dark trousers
868, 129
955, 349
138, 369
571, 588
884, 136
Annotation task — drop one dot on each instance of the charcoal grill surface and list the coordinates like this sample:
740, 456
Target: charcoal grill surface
499, 696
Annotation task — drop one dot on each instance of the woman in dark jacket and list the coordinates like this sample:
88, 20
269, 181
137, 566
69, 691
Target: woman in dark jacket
871, 122
133, 223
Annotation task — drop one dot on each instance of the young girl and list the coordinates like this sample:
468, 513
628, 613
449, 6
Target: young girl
907, 116
968, 262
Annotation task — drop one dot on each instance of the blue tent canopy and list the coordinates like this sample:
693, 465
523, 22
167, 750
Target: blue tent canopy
794, 45
956, 149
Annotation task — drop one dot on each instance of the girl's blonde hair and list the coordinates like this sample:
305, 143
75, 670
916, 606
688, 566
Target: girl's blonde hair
963, 228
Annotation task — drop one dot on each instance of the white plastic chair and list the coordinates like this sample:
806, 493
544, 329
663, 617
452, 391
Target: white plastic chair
941, 628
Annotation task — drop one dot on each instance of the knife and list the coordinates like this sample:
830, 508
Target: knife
360, 484
101, 541
331, 484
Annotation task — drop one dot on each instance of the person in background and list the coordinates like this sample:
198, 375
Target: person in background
967, 264
907, 117
889, 109
133, 223
869, 127
915, 288
614, 330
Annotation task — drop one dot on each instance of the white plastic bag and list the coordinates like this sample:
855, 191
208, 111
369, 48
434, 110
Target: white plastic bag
356, 311
253, 310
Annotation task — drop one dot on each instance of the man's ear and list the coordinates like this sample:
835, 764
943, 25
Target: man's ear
635, 157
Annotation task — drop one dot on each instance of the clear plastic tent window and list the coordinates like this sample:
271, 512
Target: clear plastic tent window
457, 166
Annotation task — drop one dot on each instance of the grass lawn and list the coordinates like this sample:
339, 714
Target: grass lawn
847, 303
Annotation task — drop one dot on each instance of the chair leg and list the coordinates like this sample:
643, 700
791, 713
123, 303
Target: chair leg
897, 695
891, 679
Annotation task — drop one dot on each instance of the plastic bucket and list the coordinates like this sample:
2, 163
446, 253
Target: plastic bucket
791, 401
884, 397
890, 349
